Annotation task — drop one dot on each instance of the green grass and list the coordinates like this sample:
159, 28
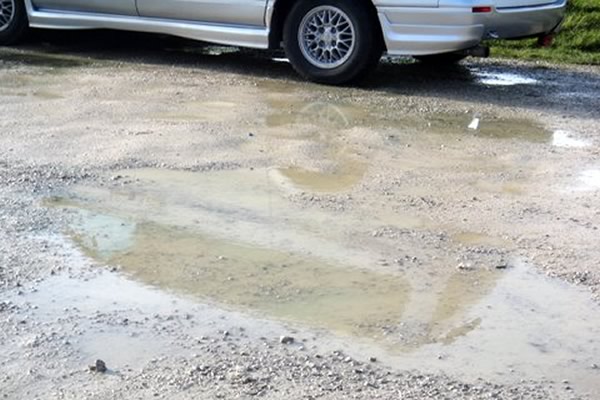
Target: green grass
577, 43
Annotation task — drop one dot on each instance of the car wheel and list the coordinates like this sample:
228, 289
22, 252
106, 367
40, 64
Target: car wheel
445, 58
13, 21
332, 41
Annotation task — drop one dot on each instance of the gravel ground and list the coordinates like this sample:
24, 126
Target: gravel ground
82, 112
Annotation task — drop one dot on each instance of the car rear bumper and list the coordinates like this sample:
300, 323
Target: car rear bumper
448, 28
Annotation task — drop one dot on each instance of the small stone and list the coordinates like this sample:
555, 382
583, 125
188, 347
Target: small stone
464, 267
373, 359
502, 266
286, 340
99, 367
595, 366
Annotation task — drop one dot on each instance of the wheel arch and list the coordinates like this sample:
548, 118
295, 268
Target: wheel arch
278, 10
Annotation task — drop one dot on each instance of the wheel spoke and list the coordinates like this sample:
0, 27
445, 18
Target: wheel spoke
7, 13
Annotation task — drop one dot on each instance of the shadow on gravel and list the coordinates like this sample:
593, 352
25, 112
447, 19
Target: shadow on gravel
534, 87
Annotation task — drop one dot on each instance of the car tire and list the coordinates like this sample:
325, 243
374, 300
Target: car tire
332, 41
13, 21
441, 59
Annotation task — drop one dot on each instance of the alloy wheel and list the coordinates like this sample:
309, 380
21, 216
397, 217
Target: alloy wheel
327, 37
7, 13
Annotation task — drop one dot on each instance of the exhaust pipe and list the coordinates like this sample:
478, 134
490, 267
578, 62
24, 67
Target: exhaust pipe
478, 51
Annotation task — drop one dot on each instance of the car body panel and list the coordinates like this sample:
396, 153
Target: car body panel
453, 26
119, 7
231, 12
253, 37
406, 3
521, 3
409, 27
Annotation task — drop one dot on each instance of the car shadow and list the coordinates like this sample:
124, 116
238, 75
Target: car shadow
523, 85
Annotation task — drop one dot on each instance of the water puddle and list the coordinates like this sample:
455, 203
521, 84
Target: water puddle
248, 206
321, 114
503, 78
202, 111
566, 139
231, 238
98, 296
39, 59
47, 95
342, 176
589, 180
490, 127
511, 188
290, 111
480, 239
278, 109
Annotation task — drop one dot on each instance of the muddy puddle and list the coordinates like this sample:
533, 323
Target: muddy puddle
232, 239
42, 59
43, 83
287, 109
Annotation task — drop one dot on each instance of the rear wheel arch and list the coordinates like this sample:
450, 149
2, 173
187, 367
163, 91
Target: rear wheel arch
333, 41
282, 8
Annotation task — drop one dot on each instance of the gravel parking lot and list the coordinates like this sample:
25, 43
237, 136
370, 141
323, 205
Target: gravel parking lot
210, 226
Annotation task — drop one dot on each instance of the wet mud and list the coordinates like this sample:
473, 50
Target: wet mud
429, 221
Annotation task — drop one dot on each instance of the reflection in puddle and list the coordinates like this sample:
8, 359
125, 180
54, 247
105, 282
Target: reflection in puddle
503, 79
565, 139
106, 293
490, 127
338, 116
247, 206
276, 283
317, 114
237, 243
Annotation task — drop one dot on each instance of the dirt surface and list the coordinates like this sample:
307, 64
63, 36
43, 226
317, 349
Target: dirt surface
206, 225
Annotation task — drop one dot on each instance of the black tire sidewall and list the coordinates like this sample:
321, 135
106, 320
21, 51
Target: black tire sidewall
367, 47
17, 27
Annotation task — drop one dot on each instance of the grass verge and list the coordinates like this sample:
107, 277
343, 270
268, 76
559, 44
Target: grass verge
577, 43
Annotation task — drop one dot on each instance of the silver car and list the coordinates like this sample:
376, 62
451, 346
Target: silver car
327, 41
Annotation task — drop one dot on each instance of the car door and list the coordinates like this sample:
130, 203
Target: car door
119, 7
227, 12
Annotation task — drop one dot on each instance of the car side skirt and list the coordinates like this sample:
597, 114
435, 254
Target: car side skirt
244, 36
